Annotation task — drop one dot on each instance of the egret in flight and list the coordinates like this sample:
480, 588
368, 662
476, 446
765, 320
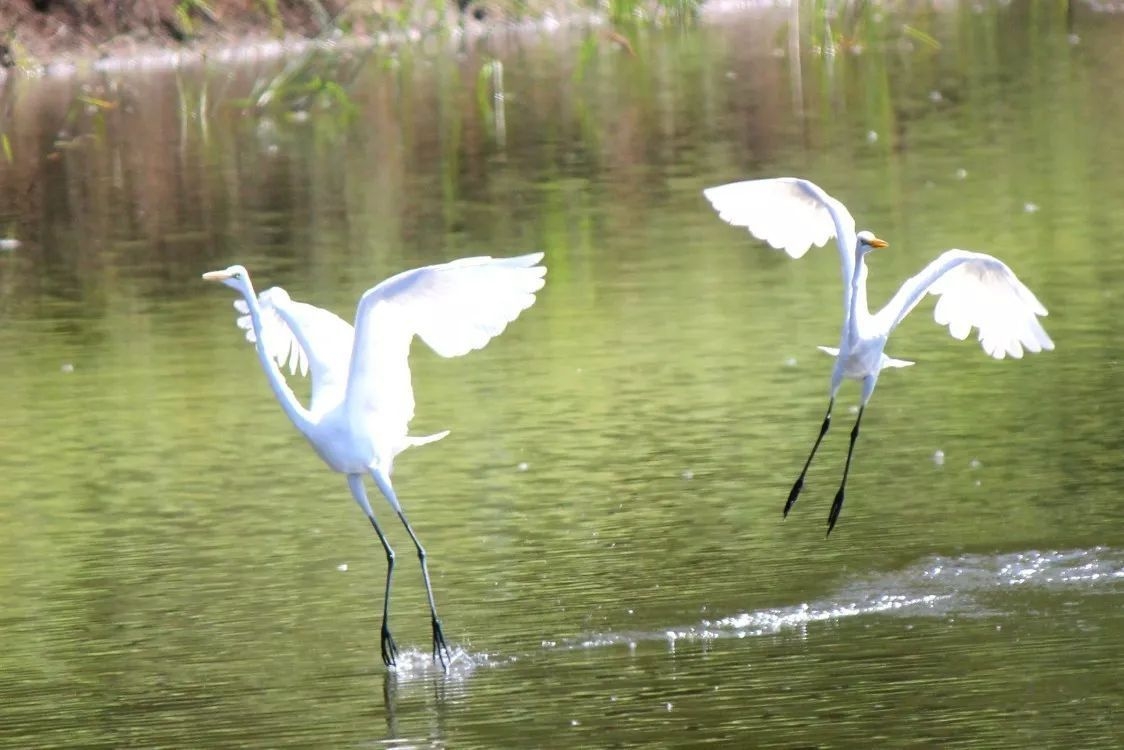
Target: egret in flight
974, 290
362, 399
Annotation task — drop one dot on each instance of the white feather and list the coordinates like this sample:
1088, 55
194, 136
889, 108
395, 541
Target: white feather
454, 307
302, 337
793, 215
974, 290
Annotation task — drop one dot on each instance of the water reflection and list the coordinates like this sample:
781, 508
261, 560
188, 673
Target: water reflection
172, 552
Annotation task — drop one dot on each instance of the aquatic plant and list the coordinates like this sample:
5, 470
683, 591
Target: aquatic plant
490, 99
186, 10
657, 11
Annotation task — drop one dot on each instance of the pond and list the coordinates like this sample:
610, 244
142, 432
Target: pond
604, 522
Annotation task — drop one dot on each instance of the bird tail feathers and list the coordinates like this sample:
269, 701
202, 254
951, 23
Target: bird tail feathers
891, 362
415, 440
886, 361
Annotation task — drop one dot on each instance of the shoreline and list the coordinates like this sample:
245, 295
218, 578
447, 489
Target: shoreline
139, 51
253, 48
42, 45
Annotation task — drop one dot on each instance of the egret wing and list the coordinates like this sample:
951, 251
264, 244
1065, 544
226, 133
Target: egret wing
790, 214
975, 290
303, 337
454, 307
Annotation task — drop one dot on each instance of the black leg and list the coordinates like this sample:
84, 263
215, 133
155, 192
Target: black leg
440, 648
389, 649
799, 485
837, 504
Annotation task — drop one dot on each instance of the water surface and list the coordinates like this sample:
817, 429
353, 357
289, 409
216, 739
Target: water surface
604, 520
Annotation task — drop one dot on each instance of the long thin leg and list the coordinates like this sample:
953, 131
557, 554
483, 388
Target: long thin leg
837, 504
440, 647
799, 484
387, 646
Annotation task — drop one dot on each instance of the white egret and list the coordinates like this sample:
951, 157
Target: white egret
974, 290
362, 400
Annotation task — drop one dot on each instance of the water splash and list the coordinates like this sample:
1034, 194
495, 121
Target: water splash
973, 573
936, 586
415, 664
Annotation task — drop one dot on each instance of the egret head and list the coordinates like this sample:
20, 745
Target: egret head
868, 242
235, 277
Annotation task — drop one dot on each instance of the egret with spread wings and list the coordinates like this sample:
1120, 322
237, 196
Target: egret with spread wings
362, 400
974, 290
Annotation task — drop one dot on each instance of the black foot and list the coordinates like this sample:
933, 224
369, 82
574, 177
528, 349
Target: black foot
795, 493
440, 648
389, 648
836, 506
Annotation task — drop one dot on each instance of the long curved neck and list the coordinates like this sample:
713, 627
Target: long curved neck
288, 400
860, 308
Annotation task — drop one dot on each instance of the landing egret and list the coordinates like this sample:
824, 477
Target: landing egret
974, 290
362, 399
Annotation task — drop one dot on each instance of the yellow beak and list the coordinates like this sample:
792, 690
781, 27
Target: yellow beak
216, 276
873, 243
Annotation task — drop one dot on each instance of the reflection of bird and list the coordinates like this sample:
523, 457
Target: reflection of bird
974, 290
362, 399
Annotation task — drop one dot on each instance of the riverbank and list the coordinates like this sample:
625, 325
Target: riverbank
45, 34
61, 35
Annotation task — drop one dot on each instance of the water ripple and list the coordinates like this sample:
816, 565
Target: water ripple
935, 586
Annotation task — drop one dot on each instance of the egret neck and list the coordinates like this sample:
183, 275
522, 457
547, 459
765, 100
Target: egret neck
288, 400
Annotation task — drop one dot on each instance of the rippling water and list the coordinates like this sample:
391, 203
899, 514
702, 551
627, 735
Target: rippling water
604, 522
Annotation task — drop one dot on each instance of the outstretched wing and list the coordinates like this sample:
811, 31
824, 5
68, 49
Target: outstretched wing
304, 337
791, 214
975, 290
454, 307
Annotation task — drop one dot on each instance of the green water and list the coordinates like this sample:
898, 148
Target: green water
604, 521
